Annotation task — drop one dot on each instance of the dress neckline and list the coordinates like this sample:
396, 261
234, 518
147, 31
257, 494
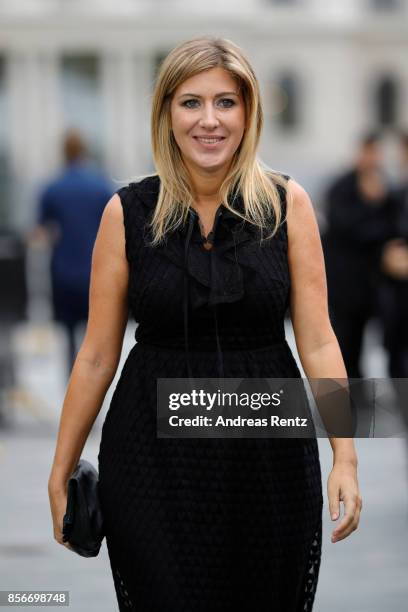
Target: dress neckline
210, 236
217, 274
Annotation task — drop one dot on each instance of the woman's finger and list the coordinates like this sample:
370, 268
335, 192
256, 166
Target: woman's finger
334, 501
346, 522
59, 537
350, 519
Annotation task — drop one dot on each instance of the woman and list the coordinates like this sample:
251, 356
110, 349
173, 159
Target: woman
206, 524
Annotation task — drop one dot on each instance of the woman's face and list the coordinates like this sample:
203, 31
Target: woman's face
208, 119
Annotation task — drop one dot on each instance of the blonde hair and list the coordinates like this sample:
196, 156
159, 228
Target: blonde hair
256, 182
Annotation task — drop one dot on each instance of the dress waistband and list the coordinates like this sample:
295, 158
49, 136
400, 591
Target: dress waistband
175, 349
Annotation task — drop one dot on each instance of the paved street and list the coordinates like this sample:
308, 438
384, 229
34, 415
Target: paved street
364, 573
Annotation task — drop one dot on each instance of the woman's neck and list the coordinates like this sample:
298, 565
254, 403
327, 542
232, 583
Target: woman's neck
206, 186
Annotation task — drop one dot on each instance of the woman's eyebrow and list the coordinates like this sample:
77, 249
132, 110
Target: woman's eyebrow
223, 93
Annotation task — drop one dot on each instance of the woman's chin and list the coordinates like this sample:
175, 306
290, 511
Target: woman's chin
210, 165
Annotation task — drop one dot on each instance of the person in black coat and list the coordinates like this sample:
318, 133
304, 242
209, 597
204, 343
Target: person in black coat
394, 287
359, 215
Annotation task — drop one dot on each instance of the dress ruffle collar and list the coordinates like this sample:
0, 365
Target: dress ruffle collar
217, 274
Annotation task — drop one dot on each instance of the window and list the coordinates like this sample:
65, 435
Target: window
385, 5
5, 179
157, 61
82, 100
286, 101
386, 101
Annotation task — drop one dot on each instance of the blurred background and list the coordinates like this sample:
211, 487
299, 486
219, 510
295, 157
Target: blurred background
76, 78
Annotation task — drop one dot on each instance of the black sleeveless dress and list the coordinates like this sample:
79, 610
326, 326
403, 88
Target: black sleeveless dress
206, 525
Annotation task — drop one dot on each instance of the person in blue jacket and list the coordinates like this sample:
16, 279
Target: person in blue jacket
70, 209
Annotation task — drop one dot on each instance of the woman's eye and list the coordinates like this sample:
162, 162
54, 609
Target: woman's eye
224, 102
228, 102
187, 103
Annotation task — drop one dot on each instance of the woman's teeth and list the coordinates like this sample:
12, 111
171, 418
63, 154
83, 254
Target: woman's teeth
209, 140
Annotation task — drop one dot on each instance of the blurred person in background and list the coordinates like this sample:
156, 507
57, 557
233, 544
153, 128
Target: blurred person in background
69, 213
394, 286
360, 219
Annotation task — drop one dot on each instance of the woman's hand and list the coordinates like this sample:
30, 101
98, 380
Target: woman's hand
58, 501
342, 485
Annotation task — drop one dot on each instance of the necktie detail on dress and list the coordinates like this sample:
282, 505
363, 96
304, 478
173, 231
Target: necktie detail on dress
192, 219
185, 297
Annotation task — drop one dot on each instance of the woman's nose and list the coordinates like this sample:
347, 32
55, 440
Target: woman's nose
209, 117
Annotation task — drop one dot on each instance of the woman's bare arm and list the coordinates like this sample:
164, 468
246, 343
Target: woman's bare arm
308, 299
98, 357
316, 342
318, 347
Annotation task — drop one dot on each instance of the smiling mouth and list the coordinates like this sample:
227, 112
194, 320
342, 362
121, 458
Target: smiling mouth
209, 140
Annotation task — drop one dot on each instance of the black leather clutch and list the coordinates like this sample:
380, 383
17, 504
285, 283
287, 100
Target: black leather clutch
83, 520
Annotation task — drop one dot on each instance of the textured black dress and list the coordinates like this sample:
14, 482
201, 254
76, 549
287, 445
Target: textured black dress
206, 525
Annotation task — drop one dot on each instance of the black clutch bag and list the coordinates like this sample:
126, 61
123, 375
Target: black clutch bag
83, 521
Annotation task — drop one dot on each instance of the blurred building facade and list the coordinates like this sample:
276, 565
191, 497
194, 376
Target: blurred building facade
327, 71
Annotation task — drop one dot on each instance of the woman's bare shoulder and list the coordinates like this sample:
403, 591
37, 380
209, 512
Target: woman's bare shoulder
299, 203
111, 233
297, 192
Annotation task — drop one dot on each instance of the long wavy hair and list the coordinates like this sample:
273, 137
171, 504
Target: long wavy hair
247, 174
